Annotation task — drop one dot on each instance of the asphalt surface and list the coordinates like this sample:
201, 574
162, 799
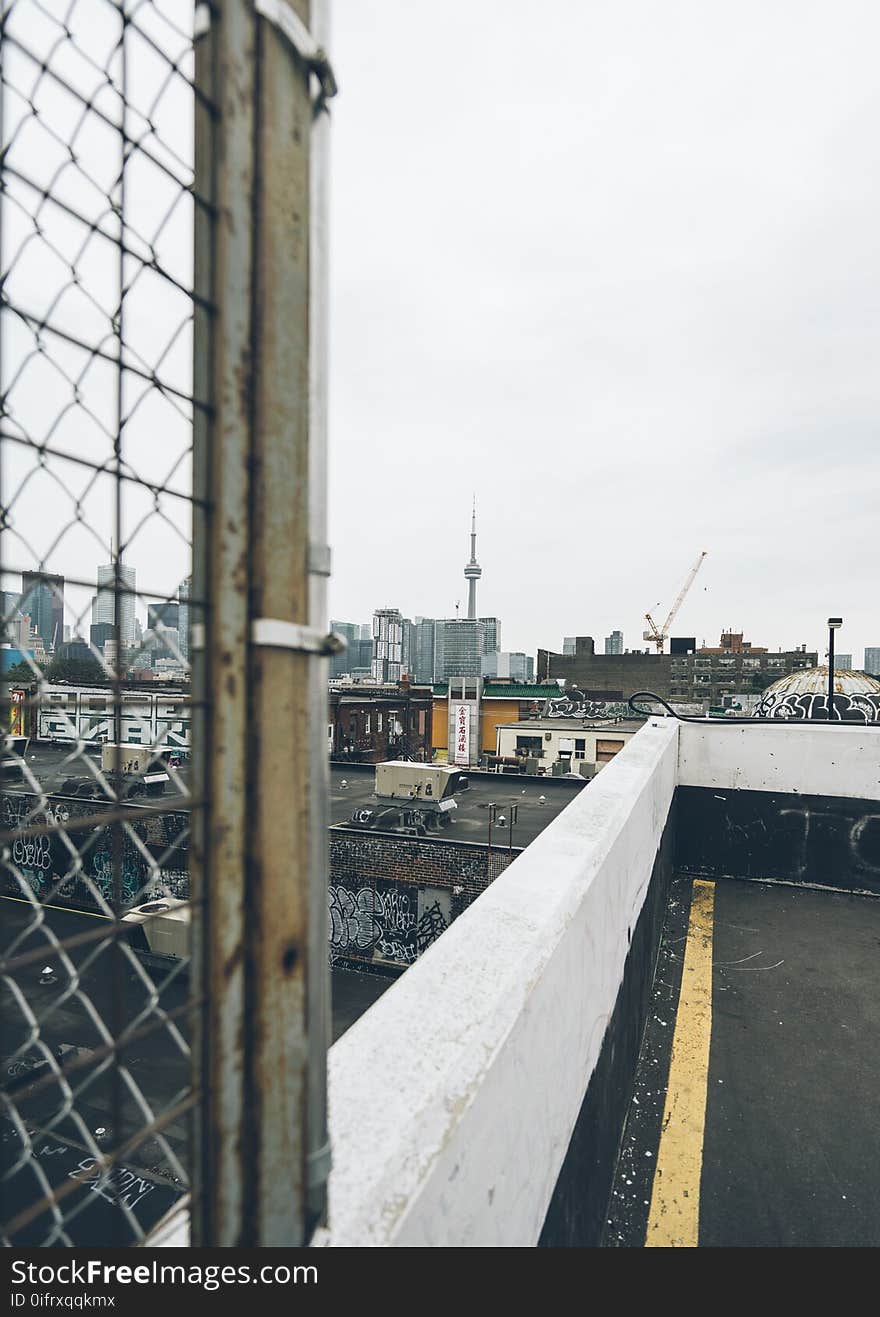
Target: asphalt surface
538, 801
106, 989
791, 1154
55, 765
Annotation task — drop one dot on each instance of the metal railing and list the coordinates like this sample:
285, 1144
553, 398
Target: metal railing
162, 562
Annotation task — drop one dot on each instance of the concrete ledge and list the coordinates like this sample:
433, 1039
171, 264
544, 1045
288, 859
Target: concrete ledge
820, 759
453, 1100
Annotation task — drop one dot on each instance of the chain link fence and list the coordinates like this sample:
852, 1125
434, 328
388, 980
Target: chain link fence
96, 488
164, 992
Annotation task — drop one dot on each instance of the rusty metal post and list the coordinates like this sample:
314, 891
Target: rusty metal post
319, 1008
255, 864
226, 70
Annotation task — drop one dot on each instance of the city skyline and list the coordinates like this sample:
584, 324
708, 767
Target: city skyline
78, 600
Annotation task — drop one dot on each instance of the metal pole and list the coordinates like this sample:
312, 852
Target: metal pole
279, 888
830, 672
225, 73
318, 969
258, 865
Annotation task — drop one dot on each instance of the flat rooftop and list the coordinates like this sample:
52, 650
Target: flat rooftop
539, 800
630, 725
52, 765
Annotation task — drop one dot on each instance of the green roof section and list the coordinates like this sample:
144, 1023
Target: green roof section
514, 691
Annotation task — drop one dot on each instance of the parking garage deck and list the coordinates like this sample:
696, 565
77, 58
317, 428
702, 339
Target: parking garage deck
752, 1122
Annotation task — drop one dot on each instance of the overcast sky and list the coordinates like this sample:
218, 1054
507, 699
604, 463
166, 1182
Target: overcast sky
614, 268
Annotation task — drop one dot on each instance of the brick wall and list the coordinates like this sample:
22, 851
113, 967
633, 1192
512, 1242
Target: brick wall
391, 897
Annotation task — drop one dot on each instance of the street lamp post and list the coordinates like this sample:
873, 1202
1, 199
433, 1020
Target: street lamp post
833, 624
491, 807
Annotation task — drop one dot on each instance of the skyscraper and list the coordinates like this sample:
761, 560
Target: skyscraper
42, 599
104, 604
423, 649
387, 644
350, 656
183, 629
872, 660
614, 643
515, 666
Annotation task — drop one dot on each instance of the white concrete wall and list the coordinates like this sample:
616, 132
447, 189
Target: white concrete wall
809, 759
453, 1100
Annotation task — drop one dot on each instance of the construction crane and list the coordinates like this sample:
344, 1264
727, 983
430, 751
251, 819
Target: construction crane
658, 636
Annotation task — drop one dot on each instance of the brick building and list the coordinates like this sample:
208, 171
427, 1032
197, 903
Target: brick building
606, 676
705, 675
733, 668
370, 723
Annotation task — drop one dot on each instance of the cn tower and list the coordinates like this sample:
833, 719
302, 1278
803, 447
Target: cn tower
473, 571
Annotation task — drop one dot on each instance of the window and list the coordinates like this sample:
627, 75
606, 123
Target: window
529, 745
606, 750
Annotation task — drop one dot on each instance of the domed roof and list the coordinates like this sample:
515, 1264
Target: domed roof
804, 695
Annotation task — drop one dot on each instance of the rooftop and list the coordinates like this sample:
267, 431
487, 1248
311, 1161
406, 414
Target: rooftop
509, 690
540, 800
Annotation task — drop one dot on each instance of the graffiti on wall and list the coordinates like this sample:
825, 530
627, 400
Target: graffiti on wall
829, 841
86, 713
564, 708
387, 922
151, 858
810, 706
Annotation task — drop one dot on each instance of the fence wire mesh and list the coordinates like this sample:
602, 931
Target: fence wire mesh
96, 490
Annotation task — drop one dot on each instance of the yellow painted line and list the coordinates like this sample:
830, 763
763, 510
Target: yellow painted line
65, 909
674, 1216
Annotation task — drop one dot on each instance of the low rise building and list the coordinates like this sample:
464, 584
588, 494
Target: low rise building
552, 746
497, 702
605, 676
368, 723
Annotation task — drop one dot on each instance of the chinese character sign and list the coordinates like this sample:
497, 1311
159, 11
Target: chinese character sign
462, 729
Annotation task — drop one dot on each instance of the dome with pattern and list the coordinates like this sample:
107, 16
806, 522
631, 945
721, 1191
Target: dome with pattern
804, 696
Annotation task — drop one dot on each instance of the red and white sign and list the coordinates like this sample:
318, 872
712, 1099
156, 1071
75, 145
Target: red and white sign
462, 732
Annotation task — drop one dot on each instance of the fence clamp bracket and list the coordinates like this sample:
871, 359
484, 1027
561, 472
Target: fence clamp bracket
276, 634
318, 1166
289, 24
